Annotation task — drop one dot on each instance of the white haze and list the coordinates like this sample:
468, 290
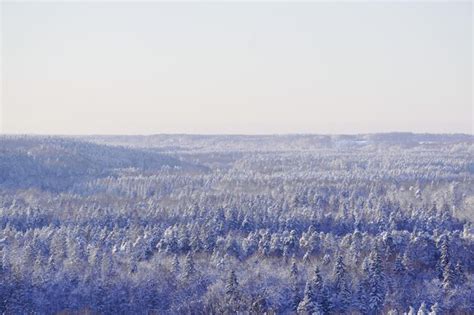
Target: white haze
141, 68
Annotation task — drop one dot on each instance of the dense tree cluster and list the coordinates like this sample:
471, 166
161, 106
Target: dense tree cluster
372, 224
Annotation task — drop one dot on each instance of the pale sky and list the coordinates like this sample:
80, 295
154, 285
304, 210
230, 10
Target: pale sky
150, 67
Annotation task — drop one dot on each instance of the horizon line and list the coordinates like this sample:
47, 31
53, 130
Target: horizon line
234, 134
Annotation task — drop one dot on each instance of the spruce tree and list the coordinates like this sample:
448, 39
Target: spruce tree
321, 293
294, 270
308, 304
232, 292
231, 285
444, 257
175, 264
345, 297
376, 285
399, 267
324, 300
295, 298
339, 274
189, 268
460, 277
449, 276
341, 285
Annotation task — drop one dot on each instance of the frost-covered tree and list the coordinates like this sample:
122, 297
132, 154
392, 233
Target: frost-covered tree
308, 304
339, 274
375, 283
422, 310
294, 285
189, 269
175, 264
232, 292
435, 309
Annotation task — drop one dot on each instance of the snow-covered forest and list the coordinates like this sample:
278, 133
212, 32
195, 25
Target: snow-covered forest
177, 224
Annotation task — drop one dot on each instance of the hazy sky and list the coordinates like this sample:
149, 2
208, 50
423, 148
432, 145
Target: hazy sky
141, 68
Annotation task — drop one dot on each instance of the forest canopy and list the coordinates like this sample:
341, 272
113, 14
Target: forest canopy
284, 224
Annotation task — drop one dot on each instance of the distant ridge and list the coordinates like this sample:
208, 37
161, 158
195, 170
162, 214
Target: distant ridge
275, 142
54, 163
